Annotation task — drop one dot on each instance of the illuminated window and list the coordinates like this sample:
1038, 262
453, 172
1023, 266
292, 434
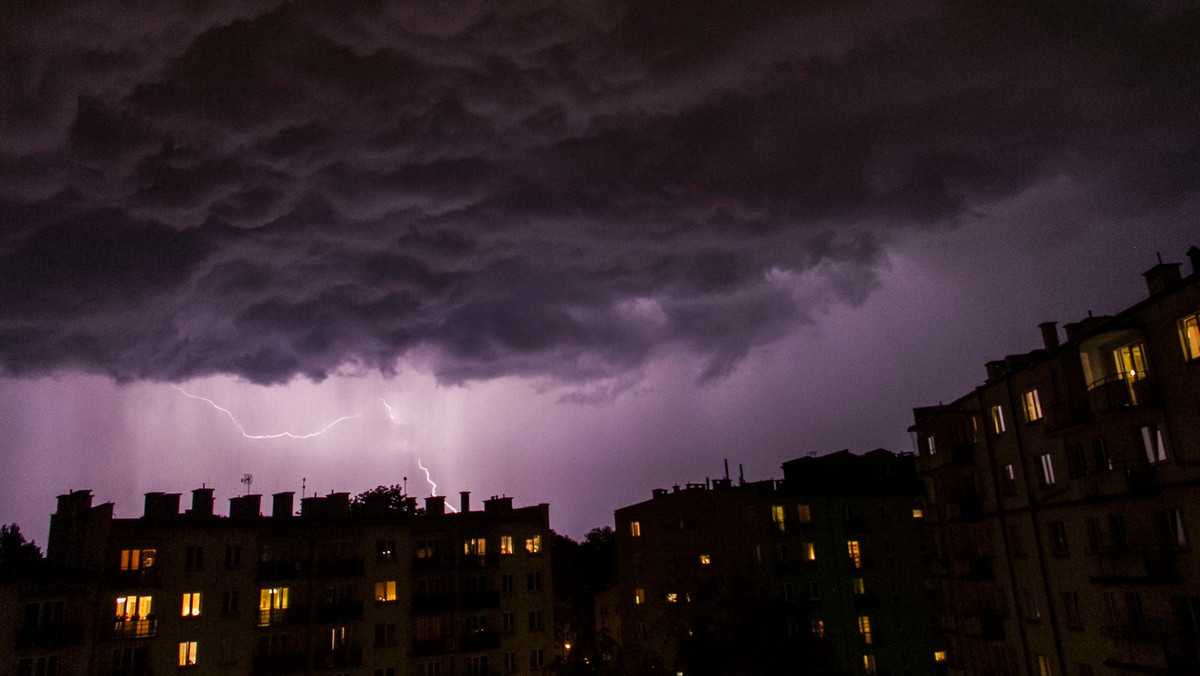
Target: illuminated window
1032, 405
133, 607
930, 445
137, 559
1189, 336
191, 604
1152, 443
533, 545
672, 597
187, 654
997, 419
804, 513
939, 656
869, 664
385, 591
818, 628
855, 554
475, 546
272, 605
426, 549
1047, 469
917, 513
705, 559
506, 544
777, 516
860, 587
337, 638
808, 551
1043, 666
635, 529
864, 628
639, 596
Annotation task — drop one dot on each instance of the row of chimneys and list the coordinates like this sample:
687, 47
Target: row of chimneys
166, 505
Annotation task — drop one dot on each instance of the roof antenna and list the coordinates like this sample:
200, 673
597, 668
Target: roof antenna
741, 476
1159, 254
727, 469
303, 481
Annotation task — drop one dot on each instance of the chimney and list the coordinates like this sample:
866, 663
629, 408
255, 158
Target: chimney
161, 505
1049, 334
202, 502
464, 501
245, 507
281, 505
1162, 277
435, 504
497, 505
1193, 255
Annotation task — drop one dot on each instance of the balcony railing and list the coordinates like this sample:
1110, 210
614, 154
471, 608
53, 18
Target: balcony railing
339, 611
480, 640
141, 628
144, 577
280, 663
287, 569
442, 603
1122, 391
1136, 564
434, 647
277, 616
344, 567
479, 600
345, 656
51, 637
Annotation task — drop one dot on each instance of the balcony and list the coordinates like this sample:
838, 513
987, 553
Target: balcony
1121, 391
984, 627
339, 611
51, 637
287, 569
277, 616
480, 640
1152, 646
434, 647
866, 601
337, 658
476, 562
344, 567
479, 600
441, 603
131, 579
432, 564
141, 628
1145, 564
280, 663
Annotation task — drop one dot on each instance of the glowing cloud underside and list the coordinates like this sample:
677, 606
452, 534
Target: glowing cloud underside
279, 435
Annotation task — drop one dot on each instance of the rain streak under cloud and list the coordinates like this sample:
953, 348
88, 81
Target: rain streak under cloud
636, 228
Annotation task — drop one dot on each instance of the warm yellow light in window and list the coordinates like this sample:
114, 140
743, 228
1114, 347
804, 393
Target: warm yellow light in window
818, 628
1189, 336
475, 546
855, 555
385, 591
939, 656
869, 664
864, 628
639, 596
635, 529
705, 559
777, 516
672, 597
191, 604
808, 551
918, 514
187, 654
533, 545
860, 587
997, 419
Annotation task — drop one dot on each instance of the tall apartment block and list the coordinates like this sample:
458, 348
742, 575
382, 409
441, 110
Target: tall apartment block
1063, 497
818, 573
331, 590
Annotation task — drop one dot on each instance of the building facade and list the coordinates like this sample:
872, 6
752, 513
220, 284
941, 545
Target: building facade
335, 589
818, 573
1062, 497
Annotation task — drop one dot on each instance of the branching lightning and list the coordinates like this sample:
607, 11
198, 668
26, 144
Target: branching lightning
278, 435
432, 486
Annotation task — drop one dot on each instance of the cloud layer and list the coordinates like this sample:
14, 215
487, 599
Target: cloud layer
543, 189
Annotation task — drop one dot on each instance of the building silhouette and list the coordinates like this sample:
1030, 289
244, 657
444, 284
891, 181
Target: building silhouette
1062, 497
818, 573
339, 588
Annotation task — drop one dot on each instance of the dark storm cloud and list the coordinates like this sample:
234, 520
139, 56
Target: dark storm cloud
534, 188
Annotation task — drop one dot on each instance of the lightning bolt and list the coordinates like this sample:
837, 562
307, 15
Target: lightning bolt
433, 486
392, 415
246, 434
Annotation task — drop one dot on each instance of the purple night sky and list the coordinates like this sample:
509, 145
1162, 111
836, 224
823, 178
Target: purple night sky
564, 251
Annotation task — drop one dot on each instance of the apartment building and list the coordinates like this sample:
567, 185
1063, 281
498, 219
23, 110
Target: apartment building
335, 589
1062, 497
818, 573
